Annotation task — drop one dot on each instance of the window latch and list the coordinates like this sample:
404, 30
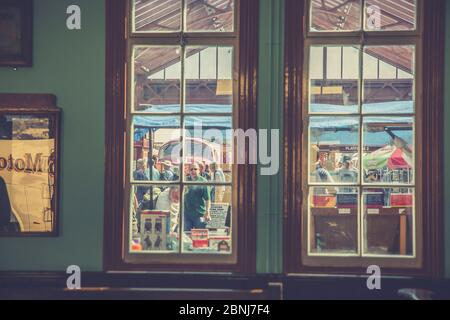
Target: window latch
182, 39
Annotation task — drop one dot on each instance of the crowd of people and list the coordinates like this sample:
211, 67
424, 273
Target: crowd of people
197, 198
344, 173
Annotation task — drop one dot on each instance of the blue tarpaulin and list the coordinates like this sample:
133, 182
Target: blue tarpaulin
191, 121
344, 129
340, 129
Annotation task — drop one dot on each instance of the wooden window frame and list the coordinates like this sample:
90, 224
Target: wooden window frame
116, 216
430, 263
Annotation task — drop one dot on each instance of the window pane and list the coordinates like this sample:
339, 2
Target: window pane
388, 150
389, 79
209, 84
156, 148
333, 220
388, 221
28, 172
157, 15
208, 144
210, 15
390, 15
335, 15
333, 150
334, 74
155, 218
157, 78
212, 235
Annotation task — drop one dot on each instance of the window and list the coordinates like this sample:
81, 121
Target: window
361, 148
183, 204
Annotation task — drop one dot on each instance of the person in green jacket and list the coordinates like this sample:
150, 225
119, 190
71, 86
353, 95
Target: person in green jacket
197, 201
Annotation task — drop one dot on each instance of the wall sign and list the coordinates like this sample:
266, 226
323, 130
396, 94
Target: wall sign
29, 165
16, 33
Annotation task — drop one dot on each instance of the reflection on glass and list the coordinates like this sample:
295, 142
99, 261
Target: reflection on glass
27, 173
156, 146
207, 218
388, 79
210, 16
335, 15
333, 150
388, 221
157, 77
333, 220
208, 143
388, 150
387, 15
156, 15
334, 79
209, 81
155, 216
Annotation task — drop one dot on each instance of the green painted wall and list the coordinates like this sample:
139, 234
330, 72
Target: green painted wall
69, 64
270, 116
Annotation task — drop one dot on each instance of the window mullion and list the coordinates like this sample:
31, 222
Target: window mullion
182, 138
360, 220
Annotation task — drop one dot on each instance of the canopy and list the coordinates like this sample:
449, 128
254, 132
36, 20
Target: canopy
191, 121
189, 108
344, 129
391, 107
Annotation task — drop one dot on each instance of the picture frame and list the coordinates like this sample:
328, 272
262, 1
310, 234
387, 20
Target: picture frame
29, 165
16, 33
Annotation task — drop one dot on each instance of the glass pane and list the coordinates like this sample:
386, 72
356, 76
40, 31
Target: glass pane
207, 231
155, 218
28, 173
156, 148
157, 78
334, 74
389, 74
209, 147
388, 150
388, 221
210, 15
333, 150
388, 15
156, 15
335, 15
333, 220
209, 82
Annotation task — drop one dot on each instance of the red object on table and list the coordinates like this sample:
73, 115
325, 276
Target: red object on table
324, 201
200, 238
401, 200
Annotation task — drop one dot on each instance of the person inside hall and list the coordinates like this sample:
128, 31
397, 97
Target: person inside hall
153, 173
169, 200
204, 170
140, 175
197, 201
167, 173
217, 175
322, 175
347, 174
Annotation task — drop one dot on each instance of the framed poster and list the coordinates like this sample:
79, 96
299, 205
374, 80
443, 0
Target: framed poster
29, 165
16, 33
